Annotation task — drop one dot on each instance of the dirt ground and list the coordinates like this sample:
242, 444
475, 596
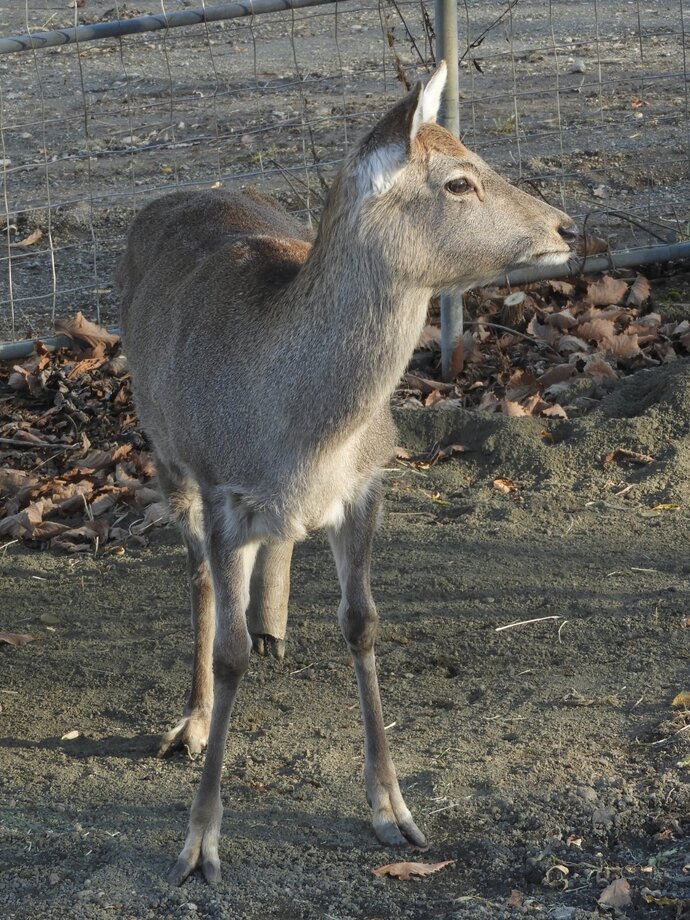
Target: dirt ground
519, 751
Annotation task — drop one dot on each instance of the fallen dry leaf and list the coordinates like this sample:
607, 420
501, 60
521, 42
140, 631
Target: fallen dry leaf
504, 485
592, 245
622, 346
434, 397
32, 238
557, 374
682, 699
623, 455
457, 359
102, 459
596, 330
17, 638
82, 329
426, 385
606, 291
513, 409
663, 900
554, 411
439, 456
577, 699
407, 870
521, 383
562, 287
598, 368
617, 894
155, 515
516, 898
639, 292
556, 877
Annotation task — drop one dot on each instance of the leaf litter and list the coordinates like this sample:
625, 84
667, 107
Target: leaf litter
549, 350
76, 473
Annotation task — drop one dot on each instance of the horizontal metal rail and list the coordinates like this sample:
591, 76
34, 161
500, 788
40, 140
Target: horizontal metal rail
609, 261
139, 24
626, 258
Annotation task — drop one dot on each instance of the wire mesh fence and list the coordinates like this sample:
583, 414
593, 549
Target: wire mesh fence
585, 103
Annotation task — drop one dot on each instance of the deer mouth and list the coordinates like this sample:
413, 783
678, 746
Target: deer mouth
552, 257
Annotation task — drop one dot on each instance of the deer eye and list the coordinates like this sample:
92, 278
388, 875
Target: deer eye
459, 186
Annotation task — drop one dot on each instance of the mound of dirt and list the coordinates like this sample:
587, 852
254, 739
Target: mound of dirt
638, 436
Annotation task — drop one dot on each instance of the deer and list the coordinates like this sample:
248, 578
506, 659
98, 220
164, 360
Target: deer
263, 361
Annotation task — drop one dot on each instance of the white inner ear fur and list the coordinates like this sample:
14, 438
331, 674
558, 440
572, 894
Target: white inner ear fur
431, 97
380, 168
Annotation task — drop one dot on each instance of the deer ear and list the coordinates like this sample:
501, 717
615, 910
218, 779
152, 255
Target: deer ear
385, 150
431, 98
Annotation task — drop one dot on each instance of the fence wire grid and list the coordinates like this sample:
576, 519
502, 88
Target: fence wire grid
584, 103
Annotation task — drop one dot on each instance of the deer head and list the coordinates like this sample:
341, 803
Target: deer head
435, 211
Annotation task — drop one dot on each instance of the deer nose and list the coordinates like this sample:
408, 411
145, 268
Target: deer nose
569, 232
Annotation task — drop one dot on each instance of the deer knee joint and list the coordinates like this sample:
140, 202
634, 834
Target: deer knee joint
359, 623
229, 666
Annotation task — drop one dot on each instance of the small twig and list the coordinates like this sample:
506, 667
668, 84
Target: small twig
478, 40
522, 335
17, 442
559, 631
525, 622
87, 508
299, 671
436, 811
410, 36
386, 727
669, 737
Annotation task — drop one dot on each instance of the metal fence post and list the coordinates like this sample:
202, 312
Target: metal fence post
446, 28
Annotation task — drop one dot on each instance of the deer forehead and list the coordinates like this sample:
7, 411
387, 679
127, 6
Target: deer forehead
432, 138
442, 155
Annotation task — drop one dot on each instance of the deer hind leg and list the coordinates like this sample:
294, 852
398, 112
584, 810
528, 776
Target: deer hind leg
231, 559
191, 732
352, 545
268, 599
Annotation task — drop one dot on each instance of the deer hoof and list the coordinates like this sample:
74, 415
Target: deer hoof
183, 868
191, 734
395, 827
189, 861
200, 849
268, 646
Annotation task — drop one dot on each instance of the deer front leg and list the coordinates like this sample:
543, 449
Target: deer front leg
268, 599
231, 565
352, 544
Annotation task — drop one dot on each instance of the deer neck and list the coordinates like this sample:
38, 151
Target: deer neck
363, 320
